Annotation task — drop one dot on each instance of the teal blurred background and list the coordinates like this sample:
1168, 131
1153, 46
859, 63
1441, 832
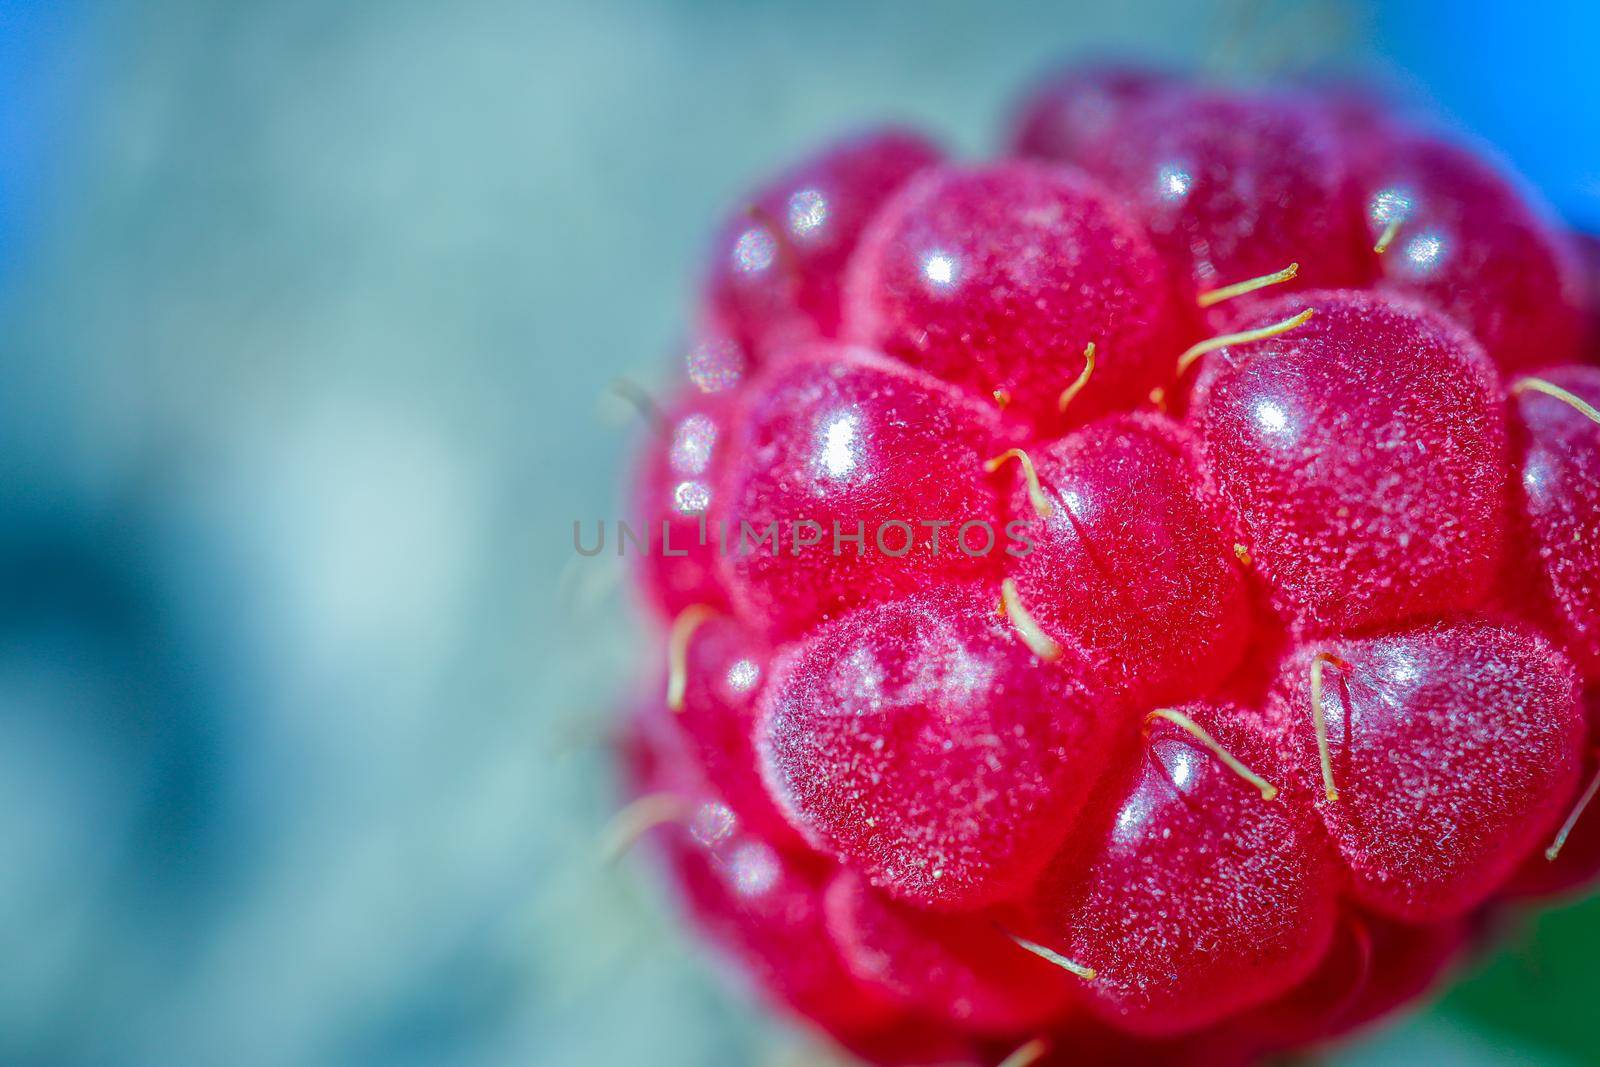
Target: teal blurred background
307, 313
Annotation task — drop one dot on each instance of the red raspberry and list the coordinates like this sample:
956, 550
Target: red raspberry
1558, 442
724, 665
760, 902
679, 478
1191, 894
1067, 115
1570, 863
960, 967
1100, 692
1372, 966
1589, 253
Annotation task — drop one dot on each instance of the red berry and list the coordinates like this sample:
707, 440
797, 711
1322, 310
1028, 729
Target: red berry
1235, 187
1130, 563
1075, 109
999, 278
715, 362
925, 744
1470, 243
1363, 457
1194, 896
777, 266
860, 447
1558, 437
675, 490
1355, 109
908, 1041
901, 752
960, 968
1450, 752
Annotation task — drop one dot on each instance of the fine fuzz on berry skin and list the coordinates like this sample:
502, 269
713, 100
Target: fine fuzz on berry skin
759, 903
1452, 749
1130, 563
1234, 188
777, 265
1194, 896
1569, 861
1465, 241
924, 743
841, 436
1147, 583
953, 277
1559, 488
1363, 456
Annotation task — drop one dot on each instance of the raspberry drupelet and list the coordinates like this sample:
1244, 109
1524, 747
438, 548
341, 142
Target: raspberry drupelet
1173, 586
777, 266
999, 278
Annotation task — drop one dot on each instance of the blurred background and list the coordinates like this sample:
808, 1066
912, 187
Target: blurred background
306, 316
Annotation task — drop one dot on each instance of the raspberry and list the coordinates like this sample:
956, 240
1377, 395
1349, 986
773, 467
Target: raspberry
1570, 863
1071, 112
673, 494
960, 967
1372, 966
1589, 253
723, 665
1193, 896
1559, 484
1115, 614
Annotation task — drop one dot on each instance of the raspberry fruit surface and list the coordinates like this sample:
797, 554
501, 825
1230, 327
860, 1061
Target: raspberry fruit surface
1131, 601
